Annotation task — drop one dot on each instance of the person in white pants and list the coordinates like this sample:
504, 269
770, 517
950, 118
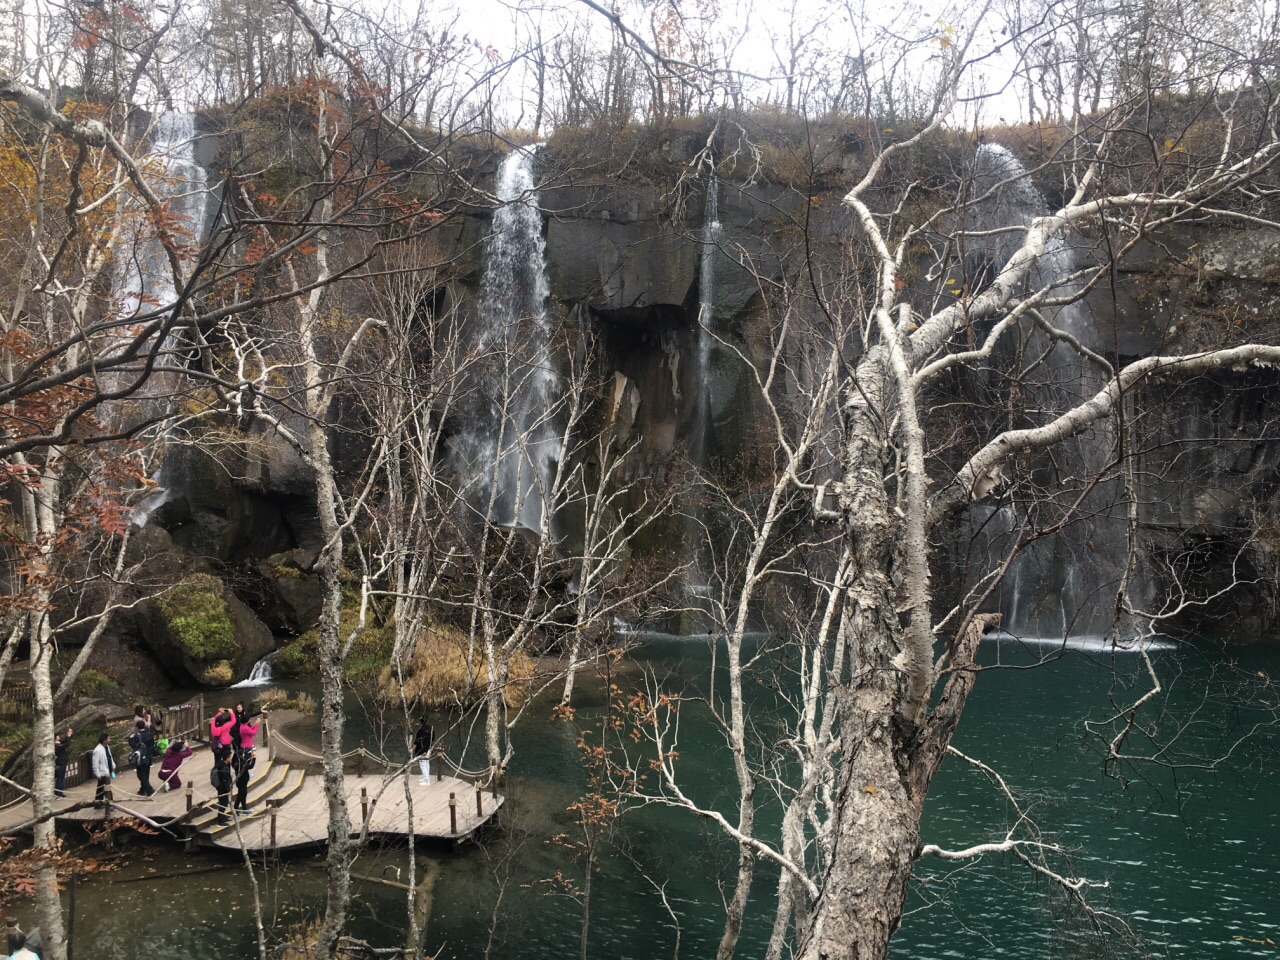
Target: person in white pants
422, 743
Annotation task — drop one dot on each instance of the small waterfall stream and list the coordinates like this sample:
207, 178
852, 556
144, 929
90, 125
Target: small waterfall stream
260, 675
511, 445
1061, 585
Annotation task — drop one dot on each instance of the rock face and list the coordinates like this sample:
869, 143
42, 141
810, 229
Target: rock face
624, 260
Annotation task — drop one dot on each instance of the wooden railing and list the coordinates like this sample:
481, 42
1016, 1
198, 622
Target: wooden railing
16, 703
185, 720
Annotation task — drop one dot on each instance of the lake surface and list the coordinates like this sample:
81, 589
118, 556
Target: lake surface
1191, 854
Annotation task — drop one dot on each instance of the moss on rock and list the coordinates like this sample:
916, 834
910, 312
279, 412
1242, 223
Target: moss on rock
202, 633
200, 621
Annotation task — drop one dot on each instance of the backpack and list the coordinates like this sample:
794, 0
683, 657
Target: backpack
213, 777
135, 754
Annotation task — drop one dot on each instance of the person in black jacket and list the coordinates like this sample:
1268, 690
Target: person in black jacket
422, 743
221, 779
244, 770
60, 742
143, 743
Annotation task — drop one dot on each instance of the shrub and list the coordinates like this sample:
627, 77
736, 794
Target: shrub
217, 674
438, 674
364, 661
13, 737
277, 699
92, 683
296, 658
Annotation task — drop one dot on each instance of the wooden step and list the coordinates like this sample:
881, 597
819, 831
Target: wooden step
264, 771
287, 787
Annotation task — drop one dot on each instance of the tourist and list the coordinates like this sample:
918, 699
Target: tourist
103, 766
422, 743
243, 772
143, 745
60, 742
220, 777
243, 715
220, 731
142, 715
18, 946
247, 731
173, 757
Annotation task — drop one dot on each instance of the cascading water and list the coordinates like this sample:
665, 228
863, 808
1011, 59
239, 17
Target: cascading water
700, 614
510, 446
700, 434
260, 675
146, 281
1061, 585
144, 277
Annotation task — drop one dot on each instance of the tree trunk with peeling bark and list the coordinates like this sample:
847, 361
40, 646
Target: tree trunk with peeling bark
332, 715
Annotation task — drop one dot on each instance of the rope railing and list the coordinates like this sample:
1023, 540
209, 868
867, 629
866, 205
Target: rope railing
363, 754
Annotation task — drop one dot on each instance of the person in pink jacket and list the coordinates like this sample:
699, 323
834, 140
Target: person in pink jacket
248, 730
220, 731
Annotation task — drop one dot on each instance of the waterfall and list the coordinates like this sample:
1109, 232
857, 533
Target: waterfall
142, 513
510, 445
144, 278
260, 675
699, 617
700, 433
1061, 585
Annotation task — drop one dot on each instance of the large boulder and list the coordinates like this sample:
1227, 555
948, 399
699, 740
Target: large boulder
290, 598
202, 634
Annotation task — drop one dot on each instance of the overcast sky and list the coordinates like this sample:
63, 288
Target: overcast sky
757, 32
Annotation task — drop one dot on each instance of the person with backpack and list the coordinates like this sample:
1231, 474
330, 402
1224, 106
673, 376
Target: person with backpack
103, 766
243, 772
173, 757
422, 743
220, 779
143, 746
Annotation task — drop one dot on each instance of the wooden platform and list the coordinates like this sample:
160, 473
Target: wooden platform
301, 810
303, 819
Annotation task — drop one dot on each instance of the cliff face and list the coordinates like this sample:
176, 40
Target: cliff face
628, 259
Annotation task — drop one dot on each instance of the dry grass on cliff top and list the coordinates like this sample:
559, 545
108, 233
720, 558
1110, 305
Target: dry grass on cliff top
444, 673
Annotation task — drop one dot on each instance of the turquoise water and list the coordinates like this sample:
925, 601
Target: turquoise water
1191, 855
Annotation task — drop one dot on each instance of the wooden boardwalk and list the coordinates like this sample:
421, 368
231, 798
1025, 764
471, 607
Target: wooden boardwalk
288, 809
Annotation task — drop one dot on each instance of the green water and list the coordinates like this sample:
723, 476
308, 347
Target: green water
1191, 856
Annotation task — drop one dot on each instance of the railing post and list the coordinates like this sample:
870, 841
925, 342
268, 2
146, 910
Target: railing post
360, 761
440, 766
273, 806
453, 813
190, 795
106, 817
493, 786
364, 806
479, 801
